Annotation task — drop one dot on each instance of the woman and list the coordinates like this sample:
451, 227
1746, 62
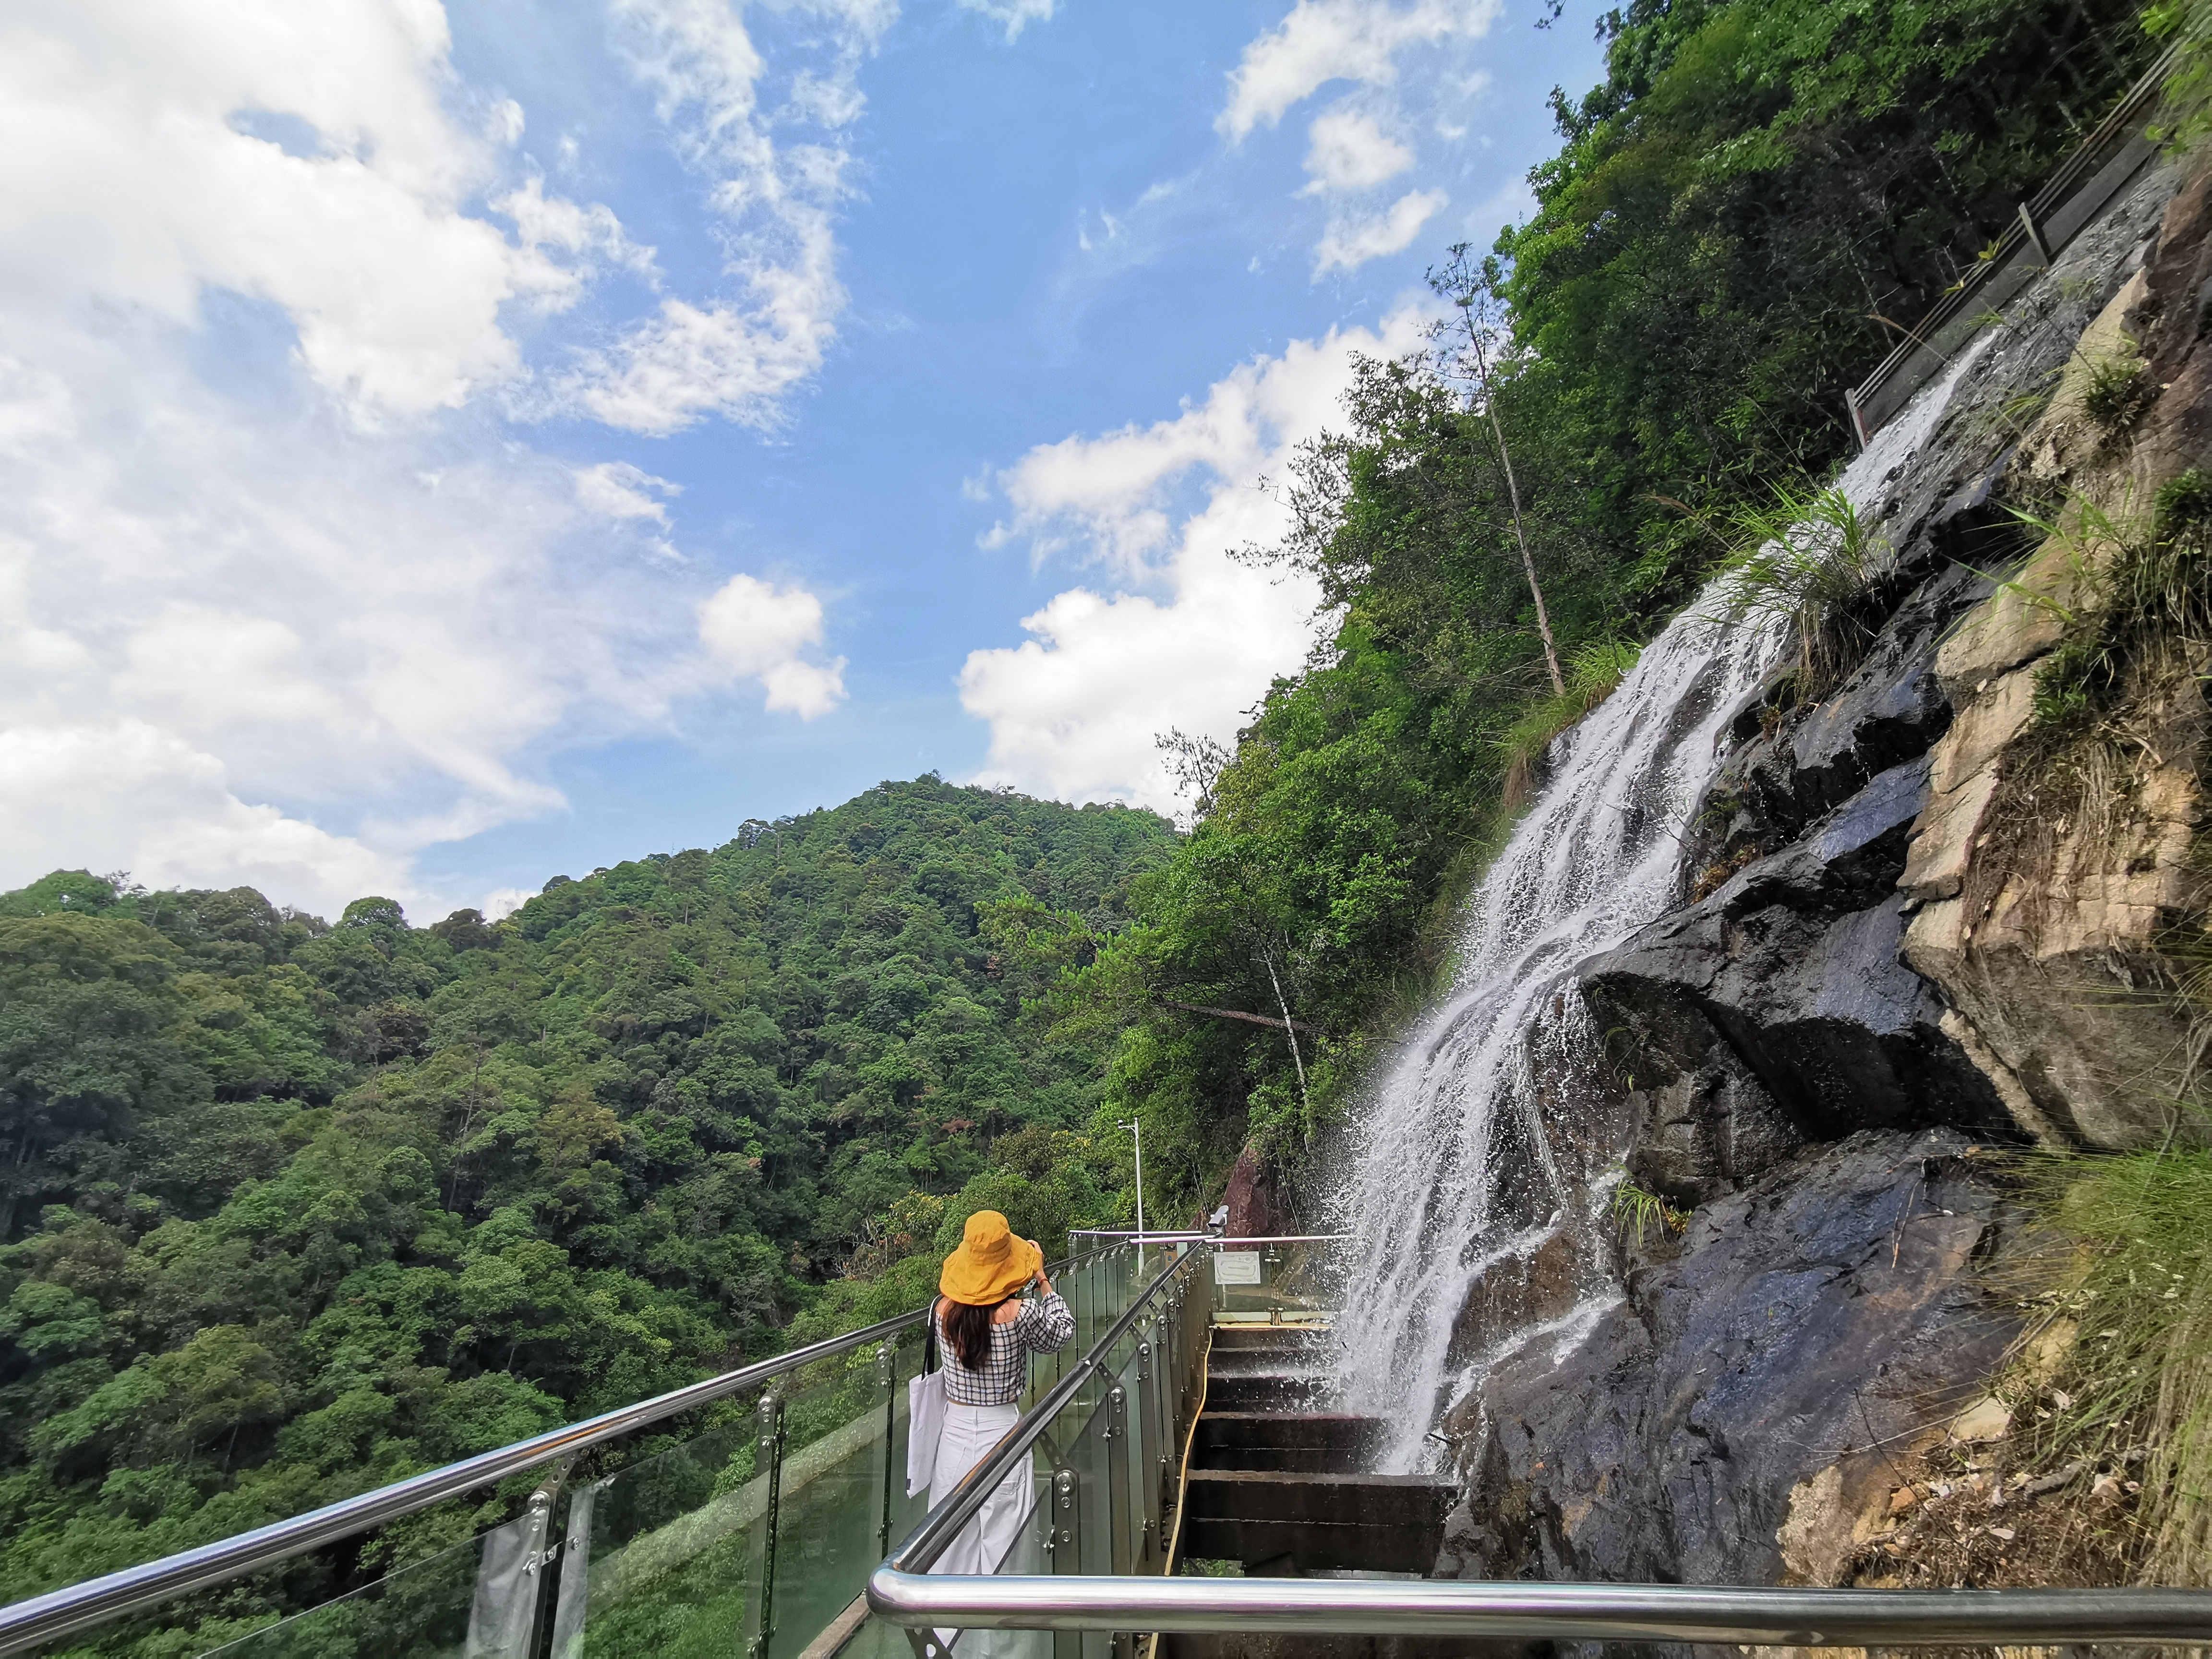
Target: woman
986, 1335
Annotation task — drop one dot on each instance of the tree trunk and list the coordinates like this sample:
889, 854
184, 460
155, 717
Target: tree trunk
1528, 562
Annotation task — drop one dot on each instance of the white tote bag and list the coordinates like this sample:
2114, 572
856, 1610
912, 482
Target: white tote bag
924, 1416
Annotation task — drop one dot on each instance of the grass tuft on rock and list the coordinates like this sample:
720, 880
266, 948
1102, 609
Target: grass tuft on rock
1806, 559
1593, 671
2114, 1384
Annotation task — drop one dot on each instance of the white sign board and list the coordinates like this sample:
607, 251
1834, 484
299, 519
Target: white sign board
1237, 1266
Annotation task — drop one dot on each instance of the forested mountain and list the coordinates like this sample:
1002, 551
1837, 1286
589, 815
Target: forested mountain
294, 1209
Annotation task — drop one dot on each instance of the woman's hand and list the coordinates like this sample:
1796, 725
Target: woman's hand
1038, 1278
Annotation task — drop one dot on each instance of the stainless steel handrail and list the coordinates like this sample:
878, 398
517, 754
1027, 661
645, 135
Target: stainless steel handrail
79, 1606
1574, 1613
1211, 1239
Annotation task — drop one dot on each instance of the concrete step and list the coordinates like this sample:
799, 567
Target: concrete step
1293, 1521
1310, 1442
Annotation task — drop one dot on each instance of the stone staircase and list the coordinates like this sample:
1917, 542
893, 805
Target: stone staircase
1280, 1486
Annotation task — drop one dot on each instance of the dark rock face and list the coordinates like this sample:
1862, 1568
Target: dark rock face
1773, 1009
1805, 1321
1777, 1067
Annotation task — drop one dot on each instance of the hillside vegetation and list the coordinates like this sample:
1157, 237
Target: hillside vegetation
299, 1209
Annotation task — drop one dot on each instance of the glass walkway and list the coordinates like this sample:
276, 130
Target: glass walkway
764, 1515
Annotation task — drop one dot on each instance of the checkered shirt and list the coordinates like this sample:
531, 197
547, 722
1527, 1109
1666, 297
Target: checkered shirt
1044, 1326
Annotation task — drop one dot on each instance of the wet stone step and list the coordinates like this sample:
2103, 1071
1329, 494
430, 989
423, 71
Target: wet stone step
1274, 1337
1317, 1443
1262, 1362
1289, 1522
1265, 1391
1376, 1500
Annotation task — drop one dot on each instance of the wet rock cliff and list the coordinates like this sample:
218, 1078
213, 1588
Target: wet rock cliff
1889, 958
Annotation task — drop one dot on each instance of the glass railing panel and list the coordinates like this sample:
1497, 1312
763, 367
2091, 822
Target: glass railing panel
1087, 1457
906, 1513
1030, 1554
656, 1557
1083, 1305
1140, 1446
832, 1500
476, 1597
875, 1639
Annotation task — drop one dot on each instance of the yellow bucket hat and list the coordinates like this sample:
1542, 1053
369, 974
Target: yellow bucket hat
991, 1263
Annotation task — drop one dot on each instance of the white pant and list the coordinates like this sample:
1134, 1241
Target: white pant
970, 1431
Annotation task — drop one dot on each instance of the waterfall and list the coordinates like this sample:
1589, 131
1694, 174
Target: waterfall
1451, 1168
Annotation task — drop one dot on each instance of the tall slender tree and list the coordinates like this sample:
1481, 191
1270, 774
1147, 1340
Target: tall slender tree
1473, 286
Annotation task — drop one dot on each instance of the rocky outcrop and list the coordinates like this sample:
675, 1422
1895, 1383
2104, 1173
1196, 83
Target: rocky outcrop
1799, 1329
1874, 974
2041, 907
1802, 992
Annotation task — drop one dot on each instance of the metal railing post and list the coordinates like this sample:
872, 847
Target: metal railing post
767, 1460
1119, 1516
1065, 1543
887, 1382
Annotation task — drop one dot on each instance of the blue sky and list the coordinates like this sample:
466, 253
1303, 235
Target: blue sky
440, 448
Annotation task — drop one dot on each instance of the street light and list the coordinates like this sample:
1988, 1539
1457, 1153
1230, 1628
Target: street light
1137, 1133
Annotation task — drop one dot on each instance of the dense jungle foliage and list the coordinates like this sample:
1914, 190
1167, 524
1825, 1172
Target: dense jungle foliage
299, 1209
1738, 225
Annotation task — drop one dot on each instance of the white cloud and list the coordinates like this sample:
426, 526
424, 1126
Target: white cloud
1350, 151
1073, 710
1350, 243
504, 122
305, 161
503, 901
1325, 40
735, 357
754, 630
270, 610
125, 794
1016, 14
556, 222
305, 654
616, 490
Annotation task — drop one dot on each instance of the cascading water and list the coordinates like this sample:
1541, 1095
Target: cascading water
1453, 1167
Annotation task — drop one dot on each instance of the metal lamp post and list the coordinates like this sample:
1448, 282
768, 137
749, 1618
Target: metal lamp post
1137, 1133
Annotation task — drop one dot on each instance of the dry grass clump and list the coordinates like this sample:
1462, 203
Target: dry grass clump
2114, 1385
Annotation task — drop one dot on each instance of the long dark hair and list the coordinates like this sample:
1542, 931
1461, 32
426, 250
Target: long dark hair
967, 1329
